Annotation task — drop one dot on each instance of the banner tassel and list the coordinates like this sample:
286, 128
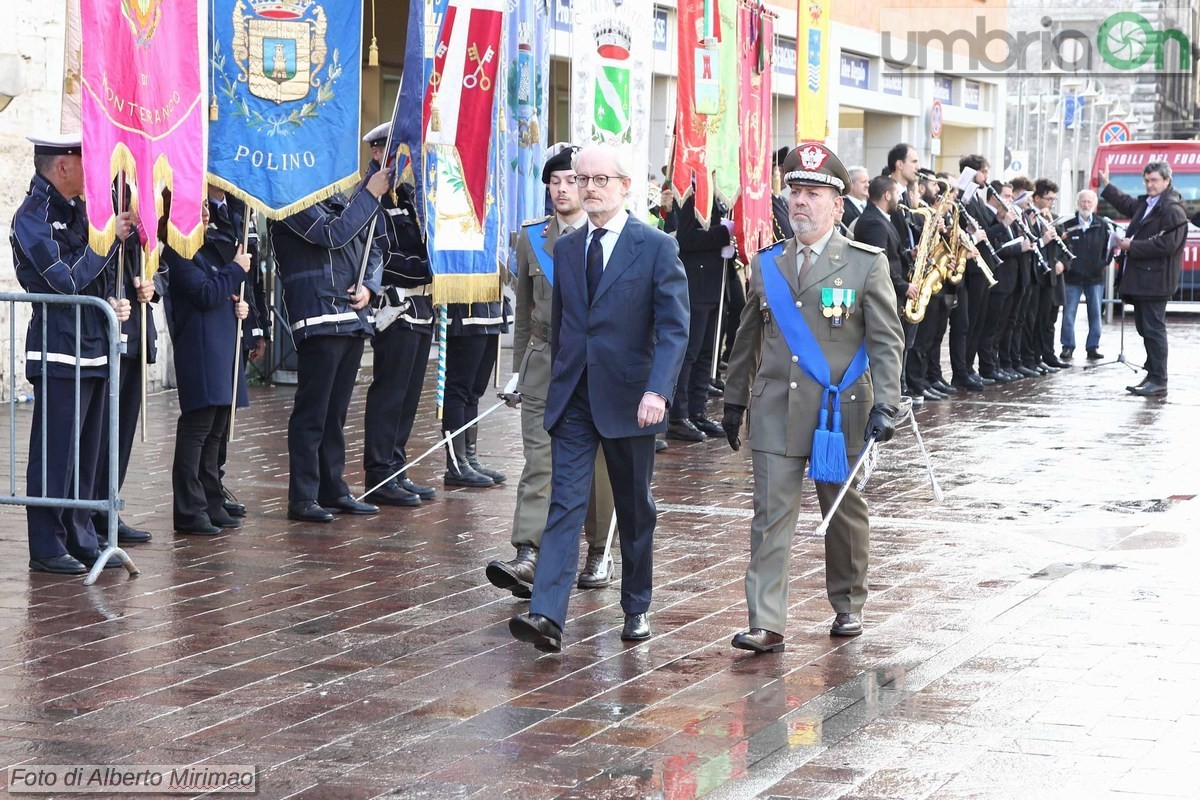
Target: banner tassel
213, 111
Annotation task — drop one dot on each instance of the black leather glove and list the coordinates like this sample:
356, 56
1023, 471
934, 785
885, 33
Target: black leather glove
881, 423
731, 421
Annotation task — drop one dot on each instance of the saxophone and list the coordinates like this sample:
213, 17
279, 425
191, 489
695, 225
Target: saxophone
931, 262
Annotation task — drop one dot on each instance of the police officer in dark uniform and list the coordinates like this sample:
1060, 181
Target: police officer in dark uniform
471, 343
51, 256
403, 331
319, 252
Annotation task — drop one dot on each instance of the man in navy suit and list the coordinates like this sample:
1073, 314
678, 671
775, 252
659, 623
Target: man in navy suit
618, 332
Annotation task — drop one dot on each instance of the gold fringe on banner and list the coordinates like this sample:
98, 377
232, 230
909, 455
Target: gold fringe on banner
345, 184
186, 244
101, 239
465, 289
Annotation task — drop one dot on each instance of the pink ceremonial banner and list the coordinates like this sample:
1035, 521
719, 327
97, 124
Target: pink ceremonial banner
143, 107
752, 213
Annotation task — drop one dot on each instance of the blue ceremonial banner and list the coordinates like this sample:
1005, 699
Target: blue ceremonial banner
407, 124
526, 110
286, 82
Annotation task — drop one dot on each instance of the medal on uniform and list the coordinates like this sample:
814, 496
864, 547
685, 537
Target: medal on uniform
826, 302
850, 296
838, 307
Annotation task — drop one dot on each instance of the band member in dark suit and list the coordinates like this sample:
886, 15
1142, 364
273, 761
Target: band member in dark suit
904, 167
1048, 294
618, 334
968, 316
874, 227
1151, 260
51, 256
1013, 249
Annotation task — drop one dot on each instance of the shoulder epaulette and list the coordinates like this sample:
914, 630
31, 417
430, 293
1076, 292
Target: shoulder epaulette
870, 248
771, 246
531, 222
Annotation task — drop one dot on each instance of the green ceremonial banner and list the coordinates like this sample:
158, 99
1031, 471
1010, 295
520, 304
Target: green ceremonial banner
724, 135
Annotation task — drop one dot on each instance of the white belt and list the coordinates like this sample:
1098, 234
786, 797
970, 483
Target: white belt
344, 316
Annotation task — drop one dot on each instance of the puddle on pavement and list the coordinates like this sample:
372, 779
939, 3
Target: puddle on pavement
1154, 540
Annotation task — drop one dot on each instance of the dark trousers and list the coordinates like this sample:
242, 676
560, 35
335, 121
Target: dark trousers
1013, 333
573, 444
55, 531
401, 355
735, 301
1150, 317
691, 392
910, 339
129, 406
917, 366
1048, 306
195, 473
326, 368
964, 340
998, 308
470, 361
1034, 345
933, 361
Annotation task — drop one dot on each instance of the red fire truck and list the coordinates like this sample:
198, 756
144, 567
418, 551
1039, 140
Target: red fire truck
1125, 161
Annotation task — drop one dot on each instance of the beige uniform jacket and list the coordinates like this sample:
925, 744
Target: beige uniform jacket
784, 402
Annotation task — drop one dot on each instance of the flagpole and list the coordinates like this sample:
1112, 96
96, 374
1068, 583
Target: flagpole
121, 248
443, 327
145, 310
237, 336
387, 152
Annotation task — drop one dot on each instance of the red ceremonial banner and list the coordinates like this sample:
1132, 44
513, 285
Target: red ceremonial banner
462, 90
752, 212
144, 113
690, 163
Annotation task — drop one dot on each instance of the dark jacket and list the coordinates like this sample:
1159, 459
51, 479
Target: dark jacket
204, 327
1151, 267
851, 212
51, 256
1011, 257
479, 319
318, 253
700, 252
1091, 251
407, 278
781, 219
876, 229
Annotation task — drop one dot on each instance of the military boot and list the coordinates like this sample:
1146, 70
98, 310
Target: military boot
458, 470
597, 570
473, 458
515, 575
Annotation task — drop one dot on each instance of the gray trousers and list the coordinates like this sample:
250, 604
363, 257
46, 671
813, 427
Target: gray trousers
776, 509
533, 492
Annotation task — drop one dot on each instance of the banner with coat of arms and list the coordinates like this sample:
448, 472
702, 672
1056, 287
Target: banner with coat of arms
286, 80
526, 103
752, 213
812, 71
142, 108
611, 53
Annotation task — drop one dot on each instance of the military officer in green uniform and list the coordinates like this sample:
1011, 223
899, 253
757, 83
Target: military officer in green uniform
531, 365
817, 361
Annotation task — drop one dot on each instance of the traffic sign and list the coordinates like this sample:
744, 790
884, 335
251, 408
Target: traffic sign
1114, 131
935, 119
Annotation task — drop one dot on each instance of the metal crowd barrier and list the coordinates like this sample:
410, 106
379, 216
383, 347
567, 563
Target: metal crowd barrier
112, 504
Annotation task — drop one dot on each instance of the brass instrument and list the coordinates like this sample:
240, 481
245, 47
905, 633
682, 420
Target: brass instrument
981, 261
929, 262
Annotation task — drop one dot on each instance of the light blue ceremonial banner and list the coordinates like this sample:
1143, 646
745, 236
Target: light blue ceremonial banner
526, 111
407, 125
286, 83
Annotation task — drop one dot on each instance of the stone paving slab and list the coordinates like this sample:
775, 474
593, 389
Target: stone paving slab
1033, 636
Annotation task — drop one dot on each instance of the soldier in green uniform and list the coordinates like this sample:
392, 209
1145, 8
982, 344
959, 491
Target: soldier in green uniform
531, 363
817, 361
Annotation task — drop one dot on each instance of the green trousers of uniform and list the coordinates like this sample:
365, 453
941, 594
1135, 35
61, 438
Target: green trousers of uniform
776, 509
533, 492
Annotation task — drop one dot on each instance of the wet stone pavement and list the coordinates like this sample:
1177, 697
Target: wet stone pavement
1033, 636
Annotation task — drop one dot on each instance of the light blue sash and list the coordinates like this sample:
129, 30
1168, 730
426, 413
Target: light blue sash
537, 236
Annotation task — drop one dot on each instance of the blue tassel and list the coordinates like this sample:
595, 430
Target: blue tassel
828, 463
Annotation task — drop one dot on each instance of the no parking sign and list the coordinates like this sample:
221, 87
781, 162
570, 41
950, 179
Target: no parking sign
1114, 131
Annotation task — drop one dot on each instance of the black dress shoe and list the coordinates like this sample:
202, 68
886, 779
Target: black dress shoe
982, 380
684, 431
759, 640
1027, 372
222, 519
1094, 355
423, 492
846, 625
708, 427
597, 570
968, 385
1149, 389
58, 565
517, 575
930, 394
126, 534
999, 376
539, 631
196, 528
660, 445
1047, 369
637, 627
1052, 360
392, 494
943, 387
1067, 354
308, 511
346, 504
232, 507
89, 558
